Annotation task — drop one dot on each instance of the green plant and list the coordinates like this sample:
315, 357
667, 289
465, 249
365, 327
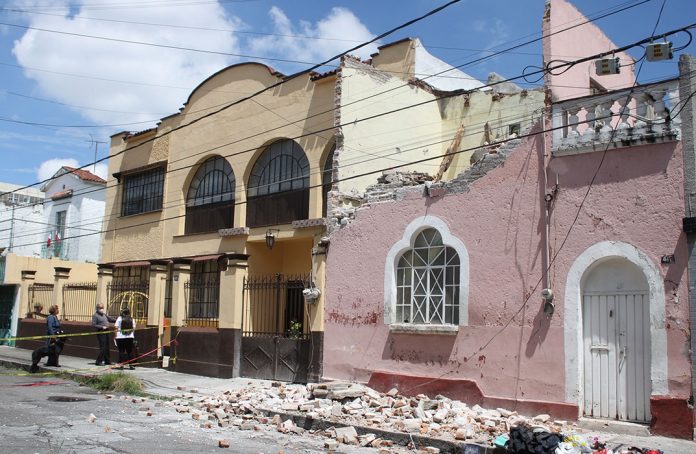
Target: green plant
295, 331
116, 382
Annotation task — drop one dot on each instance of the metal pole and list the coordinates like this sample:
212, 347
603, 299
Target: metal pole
9, 248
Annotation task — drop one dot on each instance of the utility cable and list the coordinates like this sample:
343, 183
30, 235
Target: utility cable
294, 76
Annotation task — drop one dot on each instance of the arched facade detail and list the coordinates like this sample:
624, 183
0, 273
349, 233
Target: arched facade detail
405, 244
573, 320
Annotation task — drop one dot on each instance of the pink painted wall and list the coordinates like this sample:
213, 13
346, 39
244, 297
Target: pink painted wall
582, 41
636, 198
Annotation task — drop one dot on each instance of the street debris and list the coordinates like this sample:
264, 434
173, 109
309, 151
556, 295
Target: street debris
351, 405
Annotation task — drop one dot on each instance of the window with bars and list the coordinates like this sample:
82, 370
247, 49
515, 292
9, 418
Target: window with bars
278, 190
210, 198
143, 191
427, 282
203, 292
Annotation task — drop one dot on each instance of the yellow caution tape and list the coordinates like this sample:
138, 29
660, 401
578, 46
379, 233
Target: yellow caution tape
47, 336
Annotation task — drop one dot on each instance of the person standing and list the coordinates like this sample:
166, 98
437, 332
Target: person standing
125, 336
100, 322
53, 329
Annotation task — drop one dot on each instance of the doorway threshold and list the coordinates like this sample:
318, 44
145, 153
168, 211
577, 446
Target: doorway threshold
614, 426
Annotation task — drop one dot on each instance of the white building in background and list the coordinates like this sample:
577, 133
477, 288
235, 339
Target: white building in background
22, 220
74, 211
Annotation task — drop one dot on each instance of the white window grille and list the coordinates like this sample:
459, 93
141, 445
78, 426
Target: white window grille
428, 282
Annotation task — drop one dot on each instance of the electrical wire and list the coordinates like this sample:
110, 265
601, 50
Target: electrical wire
298, 74
438, 74
589, 101
351, 177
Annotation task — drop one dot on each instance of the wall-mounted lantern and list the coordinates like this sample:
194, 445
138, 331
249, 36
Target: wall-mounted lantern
271, 237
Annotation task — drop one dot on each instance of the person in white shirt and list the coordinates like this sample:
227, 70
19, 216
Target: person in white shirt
125, 336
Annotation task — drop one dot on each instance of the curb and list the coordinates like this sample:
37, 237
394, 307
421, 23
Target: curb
308, 423
403, 439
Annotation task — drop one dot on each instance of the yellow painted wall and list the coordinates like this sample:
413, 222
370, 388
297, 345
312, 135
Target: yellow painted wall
499, 111
290, 257
415, 133
223, 134
79, 271
391, 140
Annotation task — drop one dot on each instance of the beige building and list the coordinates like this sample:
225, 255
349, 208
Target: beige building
218, 220
29, 285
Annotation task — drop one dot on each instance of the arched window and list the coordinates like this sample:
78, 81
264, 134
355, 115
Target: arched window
278, 190
326, 181
427, 282
210, 198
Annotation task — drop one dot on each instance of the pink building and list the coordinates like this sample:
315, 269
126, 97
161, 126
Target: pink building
550, 277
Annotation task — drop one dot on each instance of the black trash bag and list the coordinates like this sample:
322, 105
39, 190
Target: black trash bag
525, 440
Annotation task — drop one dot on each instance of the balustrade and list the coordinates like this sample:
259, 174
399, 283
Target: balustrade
619, 118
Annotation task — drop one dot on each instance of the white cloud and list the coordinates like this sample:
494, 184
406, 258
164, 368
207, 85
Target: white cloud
48, 168
104, 59
122, 61
102, 170
338, 31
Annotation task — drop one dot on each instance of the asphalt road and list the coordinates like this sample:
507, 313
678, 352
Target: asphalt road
52, 417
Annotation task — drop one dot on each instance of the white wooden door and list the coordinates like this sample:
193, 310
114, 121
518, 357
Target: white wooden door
616, 331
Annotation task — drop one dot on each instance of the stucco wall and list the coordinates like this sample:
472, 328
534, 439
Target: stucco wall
84, 218
510, 350
582, 41
418, 131
25, 227
79, 272
240, 134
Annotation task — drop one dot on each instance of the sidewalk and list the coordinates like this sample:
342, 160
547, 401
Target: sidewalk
164, 383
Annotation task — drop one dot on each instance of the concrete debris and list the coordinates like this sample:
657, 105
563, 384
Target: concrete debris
347, 435
351, 404
91, 418
223, 443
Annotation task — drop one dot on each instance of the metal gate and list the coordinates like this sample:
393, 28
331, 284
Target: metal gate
7, 297
275, 328
40, 297
79, 301
616, 332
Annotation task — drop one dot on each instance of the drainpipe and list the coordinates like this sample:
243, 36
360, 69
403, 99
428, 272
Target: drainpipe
546, 293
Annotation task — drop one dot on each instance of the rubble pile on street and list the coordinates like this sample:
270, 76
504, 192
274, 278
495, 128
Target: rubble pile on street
351, 404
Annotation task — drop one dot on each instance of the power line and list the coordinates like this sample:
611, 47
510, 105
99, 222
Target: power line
352, 177
560, 65
428, 76
157, 45
319, 170
306, 71
254, 33
589, 101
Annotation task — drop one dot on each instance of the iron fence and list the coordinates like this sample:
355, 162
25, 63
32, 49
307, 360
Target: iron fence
79, 301
129, 294
40, 298
168, 298
202, 302
274, 306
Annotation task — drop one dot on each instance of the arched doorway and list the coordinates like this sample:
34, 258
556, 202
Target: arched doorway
616, 348
584, 276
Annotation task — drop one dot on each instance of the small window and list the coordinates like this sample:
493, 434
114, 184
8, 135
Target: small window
143, 191
515, 129
596, 88
427, 282
60, 223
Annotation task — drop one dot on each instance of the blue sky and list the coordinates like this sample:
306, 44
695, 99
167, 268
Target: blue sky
64, 83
